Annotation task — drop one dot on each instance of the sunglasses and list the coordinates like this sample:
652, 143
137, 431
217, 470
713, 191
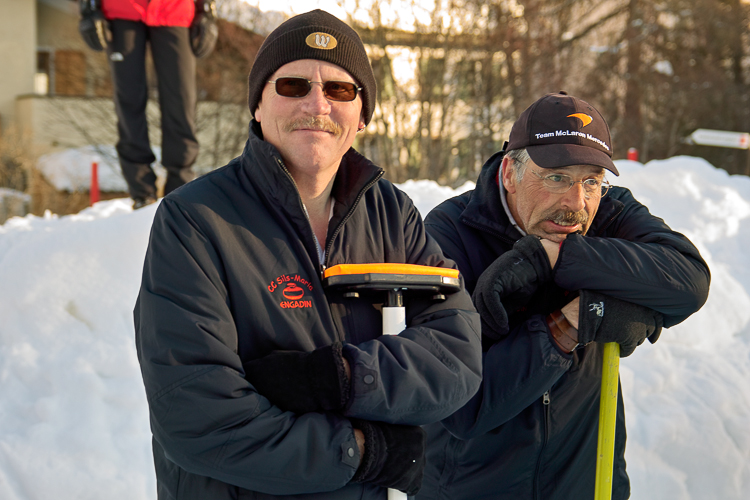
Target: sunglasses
292, 86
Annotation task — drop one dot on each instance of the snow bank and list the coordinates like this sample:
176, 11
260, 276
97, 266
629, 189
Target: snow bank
73, 415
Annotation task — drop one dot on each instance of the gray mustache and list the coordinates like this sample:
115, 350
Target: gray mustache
566, 217
314, 123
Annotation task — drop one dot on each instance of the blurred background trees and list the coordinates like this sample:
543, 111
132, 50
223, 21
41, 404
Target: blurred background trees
452, 76
676, 66
451, 85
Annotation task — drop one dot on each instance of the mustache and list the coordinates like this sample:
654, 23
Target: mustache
314, 123
566, 217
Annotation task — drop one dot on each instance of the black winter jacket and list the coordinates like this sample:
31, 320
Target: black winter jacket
531, 430
229, 255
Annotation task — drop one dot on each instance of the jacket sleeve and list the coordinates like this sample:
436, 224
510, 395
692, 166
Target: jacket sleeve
518, 370
645, 257
430, 369
638, 259
207, 417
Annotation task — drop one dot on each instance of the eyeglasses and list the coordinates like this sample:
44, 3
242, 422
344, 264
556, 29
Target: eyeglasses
561, 183
300, 87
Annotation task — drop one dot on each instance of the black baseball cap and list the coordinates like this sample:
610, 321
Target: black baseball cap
560, 130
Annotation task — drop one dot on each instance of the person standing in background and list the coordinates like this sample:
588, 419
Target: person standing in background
123, 28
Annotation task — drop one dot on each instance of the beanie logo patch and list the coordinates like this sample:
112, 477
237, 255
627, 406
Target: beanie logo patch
322, 41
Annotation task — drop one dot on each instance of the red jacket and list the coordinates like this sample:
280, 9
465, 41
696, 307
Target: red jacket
151, 12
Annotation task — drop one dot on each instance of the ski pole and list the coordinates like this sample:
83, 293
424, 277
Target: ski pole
394, 280
605, 449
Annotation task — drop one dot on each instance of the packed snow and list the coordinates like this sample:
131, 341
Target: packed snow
73, 415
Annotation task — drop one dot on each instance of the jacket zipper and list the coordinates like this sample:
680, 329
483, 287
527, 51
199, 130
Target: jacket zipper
329, 244
545, 406
301, 204
348, 215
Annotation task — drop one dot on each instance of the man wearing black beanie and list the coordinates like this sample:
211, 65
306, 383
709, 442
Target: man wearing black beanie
262, 383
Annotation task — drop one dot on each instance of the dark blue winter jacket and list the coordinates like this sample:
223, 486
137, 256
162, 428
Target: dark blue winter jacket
531, 430
214, 296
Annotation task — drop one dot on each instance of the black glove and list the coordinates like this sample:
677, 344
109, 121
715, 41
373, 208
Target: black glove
94, 29
394, 456
602, 318
204, 30
302, 382
508, 284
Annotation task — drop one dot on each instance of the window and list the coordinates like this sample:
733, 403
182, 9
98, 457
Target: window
43, 72
70, 73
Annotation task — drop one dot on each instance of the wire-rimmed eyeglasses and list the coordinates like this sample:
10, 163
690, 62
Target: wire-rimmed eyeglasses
561, 183
297, 87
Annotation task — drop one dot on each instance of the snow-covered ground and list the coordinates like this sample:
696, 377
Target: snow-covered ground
73, 416
70, 170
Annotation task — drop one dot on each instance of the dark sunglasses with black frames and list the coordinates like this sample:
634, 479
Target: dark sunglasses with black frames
292, 86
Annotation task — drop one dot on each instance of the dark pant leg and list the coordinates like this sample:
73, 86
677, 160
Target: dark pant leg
175, 69
127, 55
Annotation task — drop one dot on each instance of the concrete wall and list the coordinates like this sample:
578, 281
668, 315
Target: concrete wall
18, 54
57, 25
56, 123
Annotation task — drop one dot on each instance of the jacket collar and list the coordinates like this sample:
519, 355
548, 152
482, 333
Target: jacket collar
484, 210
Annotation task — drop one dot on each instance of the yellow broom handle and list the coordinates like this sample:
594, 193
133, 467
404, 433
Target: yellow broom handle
605, 449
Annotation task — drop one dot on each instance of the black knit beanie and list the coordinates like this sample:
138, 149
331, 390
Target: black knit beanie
306, 36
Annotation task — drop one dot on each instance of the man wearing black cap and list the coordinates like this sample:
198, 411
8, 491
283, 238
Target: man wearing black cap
558, 263
260, 382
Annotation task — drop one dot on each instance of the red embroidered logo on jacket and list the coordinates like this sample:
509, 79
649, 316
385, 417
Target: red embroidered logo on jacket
291, 290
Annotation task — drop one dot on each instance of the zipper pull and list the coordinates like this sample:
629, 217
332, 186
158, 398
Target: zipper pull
545, 398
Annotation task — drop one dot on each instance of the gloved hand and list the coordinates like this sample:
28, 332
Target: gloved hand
394, 456
204, 30
602, 318
94, 29
508, 284
302, 382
